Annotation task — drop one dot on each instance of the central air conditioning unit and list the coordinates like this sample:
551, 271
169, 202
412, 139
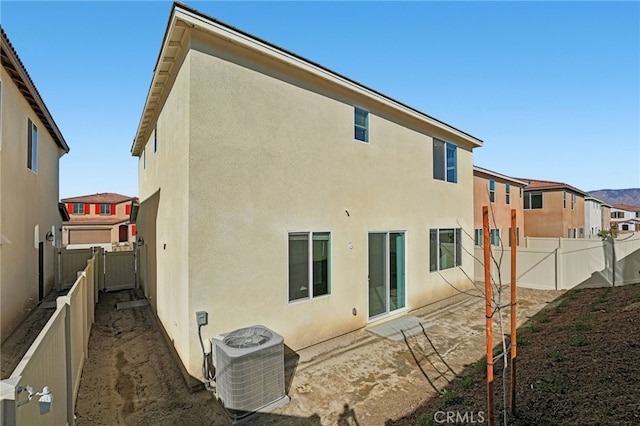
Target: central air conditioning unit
249, 365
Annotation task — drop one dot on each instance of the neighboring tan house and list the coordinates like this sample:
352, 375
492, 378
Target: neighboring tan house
553, 209
274, 191
99, 219
596, 216
501, 194
30, 218
625, 218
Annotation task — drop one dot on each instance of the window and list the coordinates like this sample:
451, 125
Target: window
617, 215
517, 236
445, 161
445, 249
361, 124
533, 200
569, 233
637, 214
78, 208
581, 232
309, 265
155, 138
575, 232
521, 191
478, 237
508, 192
32, 146
105, 209
494, 237
564, 199
573, 201
492, 190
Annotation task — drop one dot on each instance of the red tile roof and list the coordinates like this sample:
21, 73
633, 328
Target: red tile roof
626, 207
105, 197
547, 184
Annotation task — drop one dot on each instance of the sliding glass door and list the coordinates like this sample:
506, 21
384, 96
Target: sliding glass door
386, 272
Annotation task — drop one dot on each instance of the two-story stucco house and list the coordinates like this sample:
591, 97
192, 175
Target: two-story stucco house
99, 219
30, 219
625, 218
501, 194
553, 209
275, 191
596, 216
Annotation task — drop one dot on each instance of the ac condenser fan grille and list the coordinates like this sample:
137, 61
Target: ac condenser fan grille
247, 337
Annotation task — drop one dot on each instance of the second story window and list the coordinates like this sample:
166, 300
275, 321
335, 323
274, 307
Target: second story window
564, 199
573, 201
32, 146
105, 209
155, 138
445, 161
492, 190
508, 191
78, 208
361, 124
533, 200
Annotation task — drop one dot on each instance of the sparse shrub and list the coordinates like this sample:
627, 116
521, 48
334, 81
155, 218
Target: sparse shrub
579, 340
450, 397
543, 319
556, 356
555, 385
467, 382
580, 326
522, 341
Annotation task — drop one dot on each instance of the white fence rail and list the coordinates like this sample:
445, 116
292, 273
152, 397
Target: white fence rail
55, 359
561, 263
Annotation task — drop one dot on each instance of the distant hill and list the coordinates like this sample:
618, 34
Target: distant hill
630, 197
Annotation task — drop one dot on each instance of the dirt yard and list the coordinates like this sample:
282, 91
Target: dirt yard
577, 364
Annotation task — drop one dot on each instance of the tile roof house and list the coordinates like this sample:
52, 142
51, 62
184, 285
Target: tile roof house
553, 209
99, 219
501, 194
31, 145
625, 218
277, 192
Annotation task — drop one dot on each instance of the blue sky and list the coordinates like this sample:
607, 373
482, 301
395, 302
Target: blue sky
553, 88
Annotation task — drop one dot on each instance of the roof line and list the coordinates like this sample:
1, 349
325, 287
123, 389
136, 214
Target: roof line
35, 100
184, 7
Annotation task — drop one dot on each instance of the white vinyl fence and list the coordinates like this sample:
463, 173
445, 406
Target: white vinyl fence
54, 360
564, 263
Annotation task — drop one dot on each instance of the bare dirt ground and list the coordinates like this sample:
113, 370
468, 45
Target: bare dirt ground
578, 364
358, 379
131, 377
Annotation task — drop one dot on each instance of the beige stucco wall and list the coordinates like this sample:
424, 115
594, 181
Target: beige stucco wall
27, 199
268, 157
499, 210
553, 220
166, 240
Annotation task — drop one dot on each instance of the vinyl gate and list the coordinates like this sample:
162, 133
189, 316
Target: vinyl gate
117, 270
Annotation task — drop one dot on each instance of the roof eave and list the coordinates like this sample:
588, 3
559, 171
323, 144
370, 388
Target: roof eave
184, 17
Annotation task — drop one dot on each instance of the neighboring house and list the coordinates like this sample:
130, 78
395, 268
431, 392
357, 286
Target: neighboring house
596, 216
501, 194
99, 219
30, 218
625, 218
277, 192
553, 209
